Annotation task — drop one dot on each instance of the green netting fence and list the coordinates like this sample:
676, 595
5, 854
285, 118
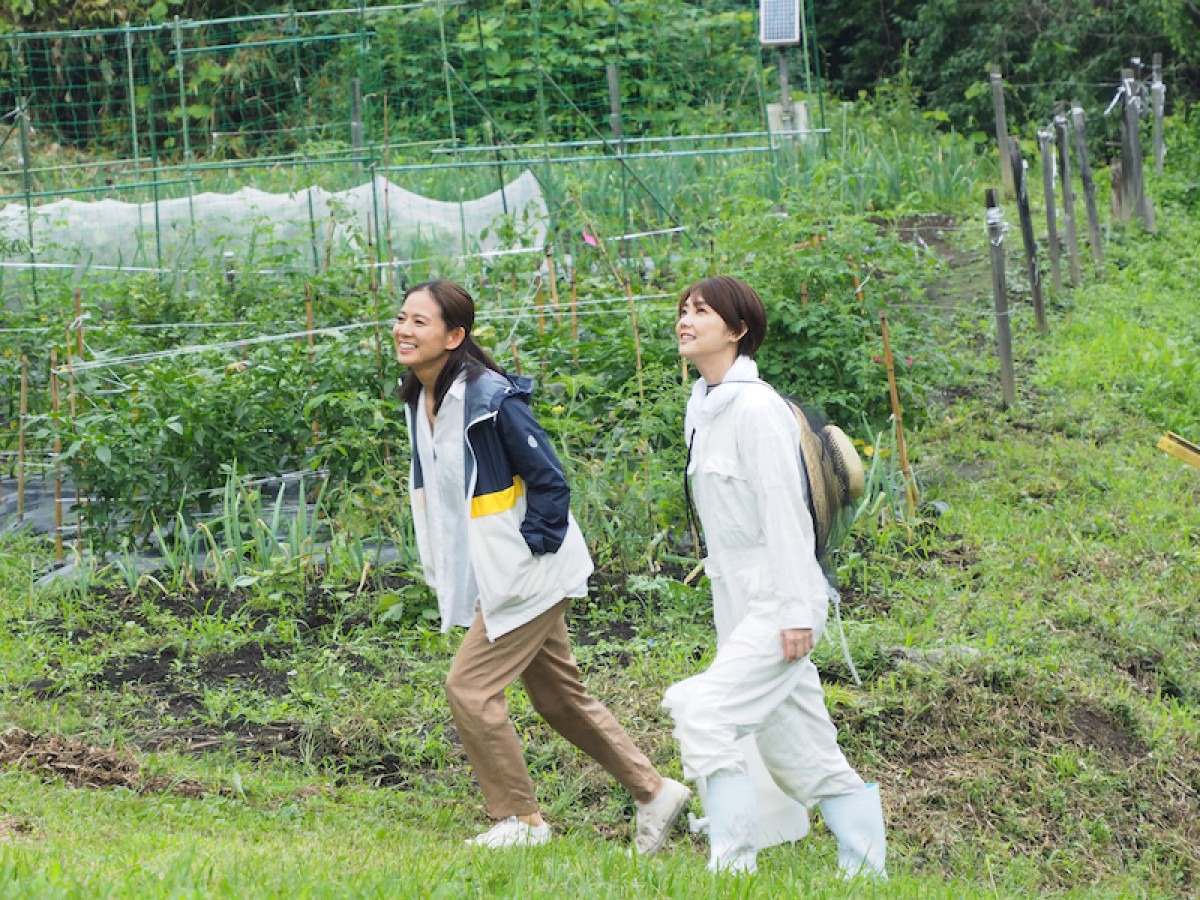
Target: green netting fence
623, 104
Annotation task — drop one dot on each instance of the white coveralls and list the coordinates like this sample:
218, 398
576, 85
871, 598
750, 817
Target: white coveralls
745, 476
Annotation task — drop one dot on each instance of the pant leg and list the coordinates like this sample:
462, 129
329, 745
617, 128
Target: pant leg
798, 744
552, 681
479, 677
733, 697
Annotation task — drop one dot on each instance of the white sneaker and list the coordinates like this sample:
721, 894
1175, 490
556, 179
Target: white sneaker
512, 832
655, 817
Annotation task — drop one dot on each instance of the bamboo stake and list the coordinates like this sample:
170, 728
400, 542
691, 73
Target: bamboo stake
308, 316
803, 293
910, 484
373, 262
637, 340
574, 314
78, 322
58, 544
387, 202
375, 305
71, 395
553, 282
516, 357
70, 377
537, 302
21, 439
858, 291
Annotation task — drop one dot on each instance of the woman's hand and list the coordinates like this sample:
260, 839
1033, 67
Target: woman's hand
797, 643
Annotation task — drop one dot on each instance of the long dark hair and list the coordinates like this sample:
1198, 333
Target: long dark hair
458, 311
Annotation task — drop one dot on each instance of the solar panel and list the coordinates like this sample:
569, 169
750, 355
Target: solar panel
779, 21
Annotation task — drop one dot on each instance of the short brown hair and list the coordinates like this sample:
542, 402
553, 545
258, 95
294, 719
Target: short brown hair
738, 305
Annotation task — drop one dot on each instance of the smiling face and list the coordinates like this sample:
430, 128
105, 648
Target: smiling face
705, 339
423, 340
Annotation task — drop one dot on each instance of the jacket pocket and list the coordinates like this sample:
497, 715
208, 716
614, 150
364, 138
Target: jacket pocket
727, 504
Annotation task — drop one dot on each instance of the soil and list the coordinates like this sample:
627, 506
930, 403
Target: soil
84, 765
12, 829
927, 231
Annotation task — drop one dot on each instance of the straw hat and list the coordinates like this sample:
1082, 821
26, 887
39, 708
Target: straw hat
833, 471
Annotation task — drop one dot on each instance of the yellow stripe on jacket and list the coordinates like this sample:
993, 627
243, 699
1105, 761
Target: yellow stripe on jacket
498, 501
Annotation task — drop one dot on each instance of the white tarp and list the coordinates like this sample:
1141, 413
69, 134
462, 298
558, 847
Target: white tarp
264, 229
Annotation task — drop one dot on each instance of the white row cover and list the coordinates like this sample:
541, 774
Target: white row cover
262, 229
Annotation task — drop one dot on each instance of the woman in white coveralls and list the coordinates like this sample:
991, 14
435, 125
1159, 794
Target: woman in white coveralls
770, 599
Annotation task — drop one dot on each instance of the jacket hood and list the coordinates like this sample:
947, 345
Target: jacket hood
703, 404
486, 393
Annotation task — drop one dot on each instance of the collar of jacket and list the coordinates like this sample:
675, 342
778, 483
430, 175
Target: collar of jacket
483, 396
702, 402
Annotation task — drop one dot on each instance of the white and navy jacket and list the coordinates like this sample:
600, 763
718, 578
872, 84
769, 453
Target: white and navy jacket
526, 549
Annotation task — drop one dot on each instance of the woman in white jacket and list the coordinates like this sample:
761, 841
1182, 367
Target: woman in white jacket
770, 599
499, 546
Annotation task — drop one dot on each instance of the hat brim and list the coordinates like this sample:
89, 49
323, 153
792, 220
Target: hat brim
855, 476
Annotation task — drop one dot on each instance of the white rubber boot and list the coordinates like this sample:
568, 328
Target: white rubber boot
731, 805
856, 820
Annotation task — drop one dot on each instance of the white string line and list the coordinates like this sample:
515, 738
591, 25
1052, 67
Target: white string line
522, 311
239, 343
205, 348
583, 307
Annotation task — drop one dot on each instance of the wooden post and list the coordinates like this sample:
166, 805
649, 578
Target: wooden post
1068, 194
58, 517
997, 82
1046, 146
24, 413
1132, 181
1158, 97
910, 484
995, 229
1020, 183
1089, 184
516, 357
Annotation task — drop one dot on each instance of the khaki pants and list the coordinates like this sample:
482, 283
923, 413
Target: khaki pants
539, 653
